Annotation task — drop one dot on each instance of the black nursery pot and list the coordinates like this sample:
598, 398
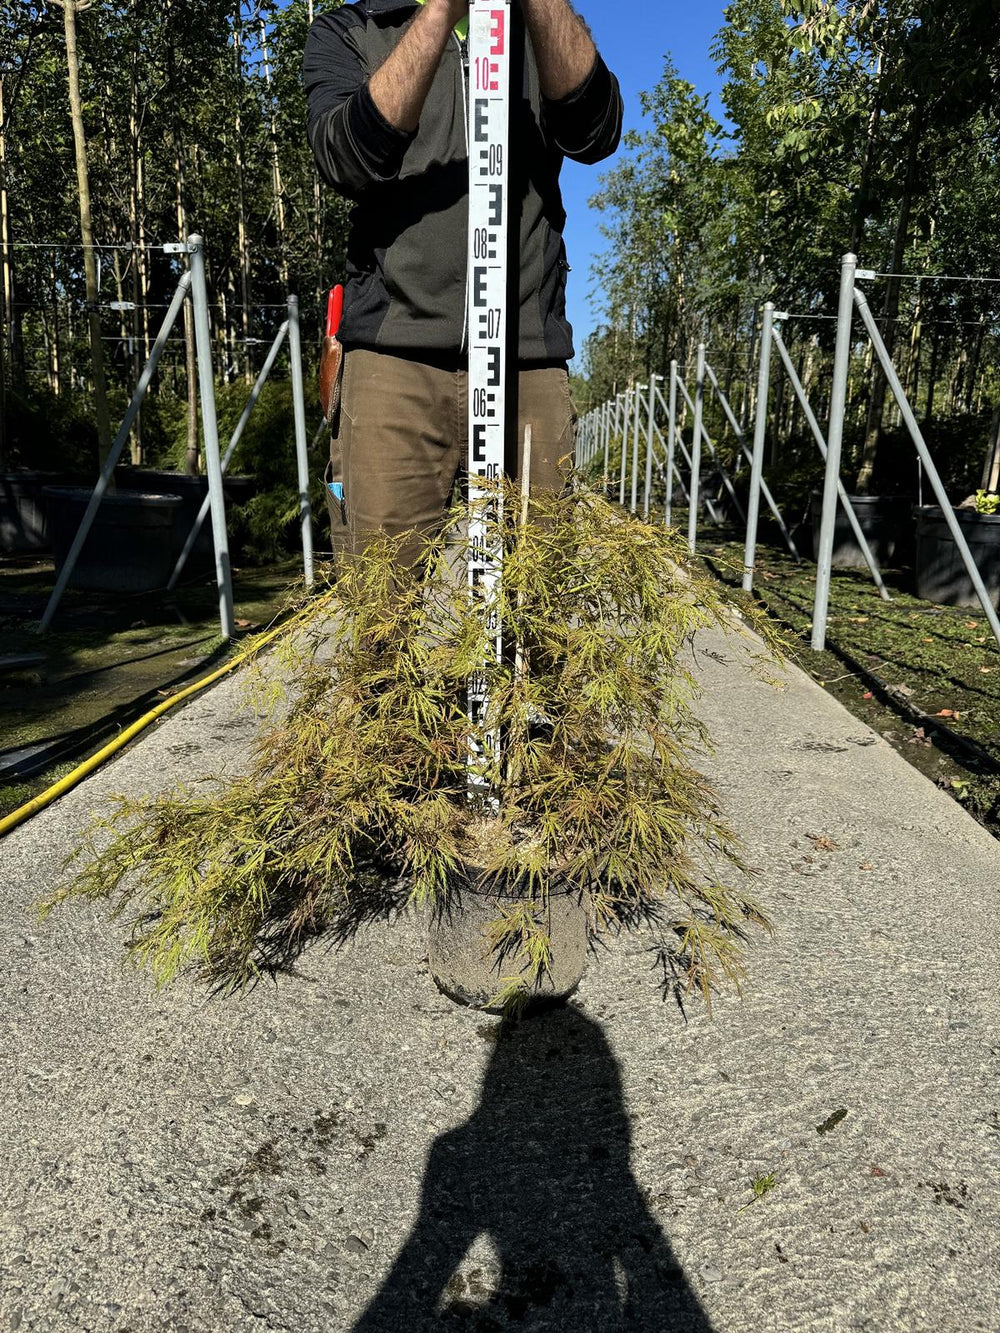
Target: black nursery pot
24, 517
461, 962
130, 547
192, 491
940, 571
885, 521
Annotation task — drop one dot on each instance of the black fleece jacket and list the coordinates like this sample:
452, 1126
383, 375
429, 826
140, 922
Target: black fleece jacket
406, 262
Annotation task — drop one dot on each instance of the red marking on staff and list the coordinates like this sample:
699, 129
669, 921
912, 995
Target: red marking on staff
498, 32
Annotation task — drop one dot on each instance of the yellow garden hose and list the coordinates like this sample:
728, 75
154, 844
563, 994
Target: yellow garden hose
67, 783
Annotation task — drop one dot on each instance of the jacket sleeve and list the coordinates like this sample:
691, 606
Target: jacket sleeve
587, 124
354, 145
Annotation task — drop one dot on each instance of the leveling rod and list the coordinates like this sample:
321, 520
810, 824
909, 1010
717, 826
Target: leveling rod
487, 314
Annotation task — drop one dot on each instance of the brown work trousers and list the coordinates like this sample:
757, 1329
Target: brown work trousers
401, 440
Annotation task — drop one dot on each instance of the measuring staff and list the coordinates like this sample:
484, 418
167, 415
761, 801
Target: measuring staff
389, 84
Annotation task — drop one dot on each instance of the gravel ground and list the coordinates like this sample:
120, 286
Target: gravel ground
349, 1150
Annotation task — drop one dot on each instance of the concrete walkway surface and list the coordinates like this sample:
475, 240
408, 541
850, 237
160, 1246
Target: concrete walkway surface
347, 1149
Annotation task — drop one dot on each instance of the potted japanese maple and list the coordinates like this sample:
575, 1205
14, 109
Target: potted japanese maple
589, 815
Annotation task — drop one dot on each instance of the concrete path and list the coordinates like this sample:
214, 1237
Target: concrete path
348, 1150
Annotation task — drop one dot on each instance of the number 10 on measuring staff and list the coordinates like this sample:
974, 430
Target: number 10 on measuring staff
489, 121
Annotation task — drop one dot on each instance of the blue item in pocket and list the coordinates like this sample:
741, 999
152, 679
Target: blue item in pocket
337, 490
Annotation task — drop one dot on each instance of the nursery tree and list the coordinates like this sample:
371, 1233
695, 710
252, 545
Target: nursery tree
358, 795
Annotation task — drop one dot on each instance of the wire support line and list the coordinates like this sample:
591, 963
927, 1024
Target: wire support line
78, 245
936, 277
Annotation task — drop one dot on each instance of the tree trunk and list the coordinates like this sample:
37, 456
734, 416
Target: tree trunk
241, 217
6, 283
890, 310
279, 193
991, 472
972, 376
87, 233
190, 352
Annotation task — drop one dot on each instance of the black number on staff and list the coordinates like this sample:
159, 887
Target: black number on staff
480, 243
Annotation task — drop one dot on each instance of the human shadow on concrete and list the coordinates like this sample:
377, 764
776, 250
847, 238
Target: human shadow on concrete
542, 1167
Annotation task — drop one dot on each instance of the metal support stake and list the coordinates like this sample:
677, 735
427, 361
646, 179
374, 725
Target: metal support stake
671, 444
834, 446
301, 445
662, 471
636, 425
759, 439
196, 527
210, 437
104, 480
845, 503
606, 440
937, 486
772, 504
695, 487
650, 423
626, 416
713, 513
724, 476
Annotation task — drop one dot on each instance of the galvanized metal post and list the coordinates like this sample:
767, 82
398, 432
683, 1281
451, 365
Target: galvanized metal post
606, 441
301, 444
759, 440
636, 427
237, 435
727, 482
679, 437
772, 504
671, 444
845, 503
107, 471
695, 487
626, 417
940, 494
650, 425
834, 447
210, 436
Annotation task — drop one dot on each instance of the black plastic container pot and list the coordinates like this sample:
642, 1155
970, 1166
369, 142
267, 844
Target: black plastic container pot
940, 570
192, 491
24, 511
885, 521
130, 547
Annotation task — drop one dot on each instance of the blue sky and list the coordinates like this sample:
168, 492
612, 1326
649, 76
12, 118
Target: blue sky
634, 39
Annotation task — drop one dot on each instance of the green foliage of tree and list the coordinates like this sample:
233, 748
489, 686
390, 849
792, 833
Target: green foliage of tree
195, 120
860, 127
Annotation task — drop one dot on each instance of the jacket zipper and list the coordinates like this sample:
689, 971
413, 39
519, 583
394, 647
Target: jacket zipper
463, 49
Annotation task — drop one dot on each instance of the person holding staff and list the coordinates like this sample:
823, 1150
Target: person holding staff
386, 83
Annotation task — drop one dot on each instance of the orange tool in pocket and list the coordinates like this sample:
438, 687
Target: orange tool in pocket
331, 361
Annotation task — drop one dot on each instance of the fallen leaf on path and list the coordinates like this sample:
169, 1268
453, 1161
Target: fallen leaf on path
869, 695
821, 843
948, 712
866, 865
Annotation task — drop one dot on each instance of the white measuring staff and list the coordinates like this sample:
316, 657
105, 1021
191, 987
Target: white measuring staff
489, 215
